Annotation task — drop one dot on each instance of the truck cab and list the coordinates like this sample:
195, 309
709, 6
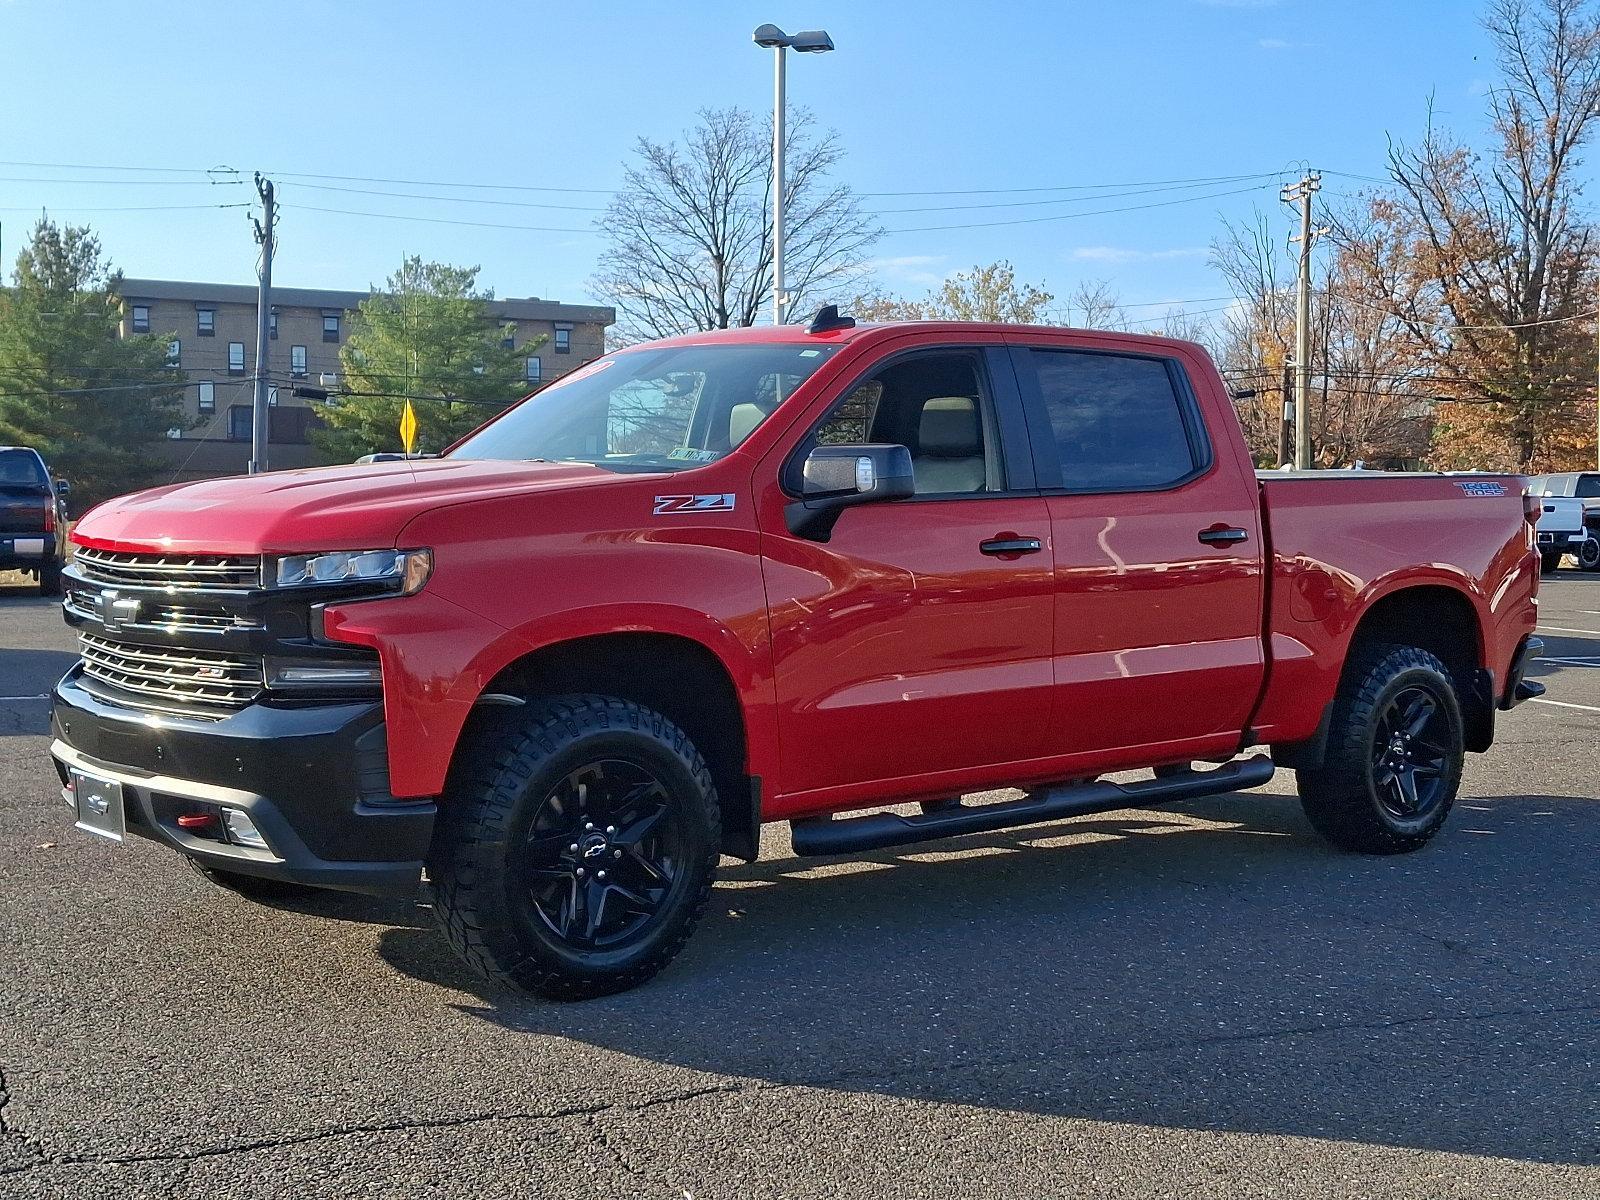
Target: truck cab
803, 574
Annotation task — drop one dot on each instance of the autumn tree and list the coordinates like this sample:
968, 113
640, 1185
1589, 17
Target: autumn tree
689, 235
1486, 261
90, 401
426, 335
985, 293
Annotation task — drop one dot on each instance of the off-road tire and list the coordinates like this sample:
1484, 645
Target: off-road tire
502, 782
1589, 554
251, 887
1343, 799
50, 579
1550, 560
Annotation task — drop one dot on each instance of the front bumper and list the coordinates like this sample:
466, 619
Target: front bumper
313, 778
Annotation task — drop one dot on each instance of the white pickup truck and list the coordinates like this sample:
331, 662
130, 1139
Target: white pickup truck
1562, 528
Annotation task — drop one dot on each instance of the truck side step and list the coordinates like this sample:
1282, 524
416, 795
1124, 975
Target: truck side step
875, 831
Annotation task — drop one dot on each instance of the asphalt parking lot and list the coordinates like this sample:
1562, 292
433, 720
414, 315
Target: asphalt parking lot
1197, 1002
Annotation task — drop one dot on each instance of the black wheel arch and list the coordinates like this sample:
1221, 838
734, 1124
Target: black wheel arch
676, 676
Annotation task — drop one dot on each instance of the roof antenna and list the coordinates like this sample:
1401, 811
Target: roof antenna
828, 318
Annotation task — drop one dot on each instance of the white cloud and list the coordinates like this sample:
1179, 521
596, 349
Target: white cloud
1122, 254
920, 270
1240, 3
1273, 44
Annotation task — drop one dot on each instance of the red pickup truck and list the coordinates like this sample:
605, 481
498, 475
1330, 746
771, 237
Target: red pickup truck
776, 574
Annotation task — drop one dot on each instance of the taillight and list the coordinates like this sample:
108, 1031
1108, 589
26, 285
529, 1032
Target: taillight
1532, 506
49, 515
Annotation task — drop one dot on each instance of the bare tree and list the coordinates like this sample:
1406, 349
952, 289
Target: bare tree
1094, 304
689, 236
1487, 264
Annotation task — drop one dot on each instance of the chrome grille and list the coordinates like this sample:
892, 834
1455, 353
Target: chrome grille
160, 676
200, 572
162, 618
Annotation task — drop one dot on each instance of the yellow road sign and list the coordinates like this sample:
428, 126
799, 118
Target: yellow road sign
408, 429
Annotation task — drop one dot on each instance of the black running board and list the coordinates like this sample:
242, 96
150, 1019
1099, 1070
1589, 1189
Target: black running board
852, 835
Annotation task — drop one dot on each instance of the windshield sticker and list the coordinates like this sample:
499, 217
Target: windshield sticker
690, 454
718, 502
1483, 489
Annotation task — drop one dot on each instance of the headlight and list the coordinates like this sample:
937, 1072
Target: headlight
410, 568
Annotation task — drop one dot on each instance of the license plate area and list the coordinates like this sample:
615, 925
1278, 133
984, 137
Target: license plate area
99, 804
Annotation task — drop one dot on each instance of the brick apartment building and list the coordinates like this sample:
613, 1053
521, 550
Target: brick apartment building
213, 332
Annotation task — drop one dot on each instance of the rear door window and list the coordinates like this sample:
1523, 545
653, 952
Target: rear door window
21, 469
1588, 486
1118, 422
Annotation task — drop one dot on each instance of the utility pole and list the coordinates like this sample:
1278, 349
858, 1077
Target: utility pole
259, 412
1301, 192
1286, 416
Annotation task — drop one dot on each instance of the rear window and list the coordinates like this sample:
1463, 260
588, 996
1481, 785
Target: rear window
21, 468
1118, 420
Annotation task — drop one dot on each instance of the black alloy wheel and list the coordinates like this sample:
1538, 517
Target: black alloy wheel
1410, 754
601, 856
576, 845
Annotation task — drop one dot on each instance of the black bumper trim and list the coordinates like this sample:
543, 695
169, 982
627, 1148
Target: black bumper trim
295, 770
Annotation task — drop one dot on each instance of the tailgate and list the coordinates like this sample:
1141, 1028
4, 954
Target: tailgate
22, 511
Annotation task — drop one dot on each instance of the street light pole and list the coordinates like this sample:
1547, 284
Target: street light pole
810, 41
779, 109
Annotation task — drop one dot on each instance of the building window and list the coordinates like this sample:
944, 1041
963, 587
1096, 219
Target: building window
272, 325
508, 336
297, 361
330, 327
174, 353
235, 358
141, 318
240, 418
272, 397
535, 369
208, 397
563, 340
205, 322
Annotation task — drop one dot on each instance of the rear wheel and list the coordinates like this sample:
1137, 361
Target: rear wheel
1395, 753
1589, 554
575, 851
50, 579
1549, 560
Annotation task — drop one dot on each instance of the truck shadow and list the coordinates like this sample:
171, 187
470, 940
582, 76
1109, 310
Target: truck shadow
1217, 967
26, 676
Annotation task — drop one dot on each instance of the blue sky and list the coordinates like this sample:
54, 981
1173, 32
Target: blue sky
934, 96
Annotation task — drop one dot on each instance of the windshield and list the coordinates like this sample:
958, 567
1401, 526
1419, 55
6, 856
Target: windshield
664, 409
21, 469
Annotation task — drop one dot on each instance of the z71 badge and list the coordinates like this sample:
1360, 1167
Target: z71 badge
717, 502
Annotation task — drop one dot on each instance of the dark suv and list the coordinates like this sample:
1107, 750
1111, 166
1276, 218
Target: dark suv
32, 518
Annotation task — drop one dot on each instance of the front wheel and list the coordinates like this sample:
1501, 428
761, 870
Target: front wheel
575, 850
1395, 753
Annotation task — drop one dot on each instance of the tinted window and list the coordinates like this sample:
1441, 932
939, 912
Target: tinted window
1588, 486
21, 468
1118, 421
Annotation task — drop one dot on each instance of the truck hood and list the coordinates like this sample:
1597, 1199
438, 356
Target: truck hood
326, 508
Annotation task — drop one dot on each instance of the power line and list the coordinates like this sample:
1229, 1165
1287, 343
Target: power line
1069, 216
75, 208
1057, 200
1072, 187
39, 166
501, 187
325, 187
349, 212
127, 182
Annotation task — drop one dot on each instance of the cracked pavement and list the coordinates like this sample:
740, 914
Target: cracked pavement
1196, 1002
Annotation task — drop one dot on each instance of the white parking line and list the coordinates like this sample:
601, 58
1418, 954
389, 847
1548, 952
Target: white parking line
1572, 662
1569, 629
1565, 704
18, 699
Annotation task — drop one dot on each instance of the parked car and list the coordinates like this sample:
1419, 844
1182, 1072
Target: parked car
1561, 530
33, 518
1578, 490
777, 574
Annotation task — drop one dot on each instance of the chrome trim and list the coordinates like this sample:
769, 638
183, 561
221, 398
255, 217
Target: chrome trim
179, 674
189, 572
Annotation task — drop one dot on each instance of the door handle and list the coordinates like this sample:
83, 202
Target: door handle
1011, 545
1223, 535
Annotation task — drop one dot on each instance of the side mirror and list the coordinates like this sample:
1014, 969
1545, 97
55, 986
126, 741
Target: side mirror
841, 477
63, 488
